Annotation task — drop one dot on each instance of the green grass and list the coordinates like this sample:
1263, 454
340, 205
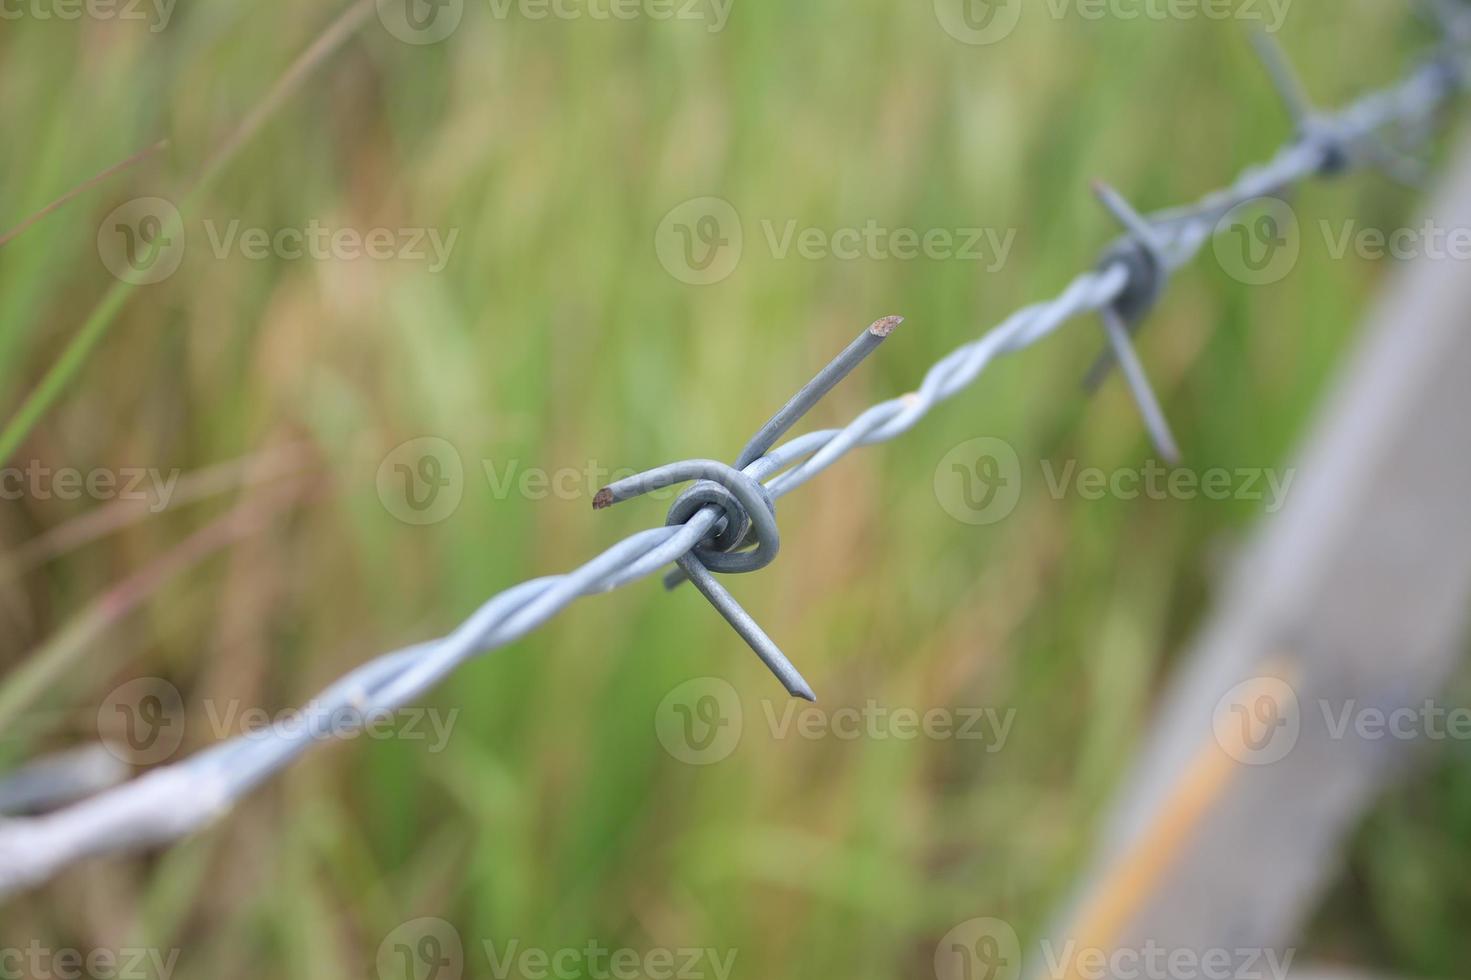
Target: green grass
554, 338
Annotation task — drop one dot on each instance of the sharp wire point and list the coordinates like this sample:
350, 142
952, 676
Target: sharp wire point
812, 392
1144, 397
885, 325
1135, 223
748, 628
1284, 78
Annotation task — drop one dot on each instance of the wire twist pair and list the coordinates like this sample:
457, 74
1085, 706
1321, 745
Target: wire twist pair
179, 798
740, 508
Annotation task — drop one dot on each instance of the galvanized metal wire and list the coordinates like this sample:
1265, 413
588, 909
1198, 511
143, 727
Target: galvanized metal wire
732, 507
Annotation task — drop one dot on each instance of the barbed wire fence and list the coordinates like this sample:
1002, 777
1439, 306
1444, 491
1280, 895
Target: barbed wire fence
725, 523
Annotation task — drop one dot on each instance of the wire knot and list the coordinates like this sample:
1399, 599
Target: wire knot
1141, 254
737, 528
1335, 147
747, 511
1144, 264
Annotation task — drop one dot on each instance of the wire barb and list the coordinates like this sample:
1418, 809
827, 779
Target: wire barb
744, 507
801, 403
1312, 127
1284, 77
1143, 256
748, 628
813, 391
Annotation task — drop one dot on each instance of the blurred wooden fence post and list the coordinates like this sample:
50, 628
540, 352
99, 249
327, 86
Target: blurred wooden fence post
1355, 596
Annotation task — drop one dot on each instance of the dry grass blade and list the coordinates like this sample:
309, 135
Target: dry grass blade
95, 327
83, 187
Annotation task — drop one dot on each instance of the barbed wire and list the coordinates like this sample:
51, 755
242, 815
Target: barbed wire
726, 522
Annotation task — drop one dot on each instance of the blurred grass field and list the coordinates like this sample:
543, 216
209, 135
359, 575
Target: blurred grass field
554, 338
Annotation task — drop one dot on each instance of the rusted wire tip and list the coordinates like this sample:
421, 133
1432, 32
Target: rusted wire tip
885, 326
812, 392
602, 499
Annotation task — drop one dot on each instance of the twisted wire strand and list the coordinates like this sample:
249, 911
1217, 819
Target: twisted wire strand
172, 801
